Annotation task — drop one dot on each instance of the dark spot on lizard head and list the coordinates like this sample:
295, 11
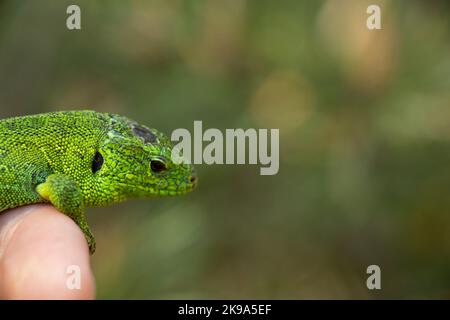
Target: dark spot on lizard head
144, 133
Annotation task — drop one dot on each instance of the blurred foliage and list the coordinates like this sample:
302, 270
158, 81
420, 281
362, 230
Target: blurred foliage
364, 119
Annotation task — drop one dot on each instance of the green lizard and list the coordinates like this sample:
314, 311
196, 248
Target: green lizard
78, 159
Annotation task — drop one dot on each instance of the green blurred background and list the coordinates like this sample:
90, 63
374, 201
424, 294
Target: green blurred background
364, 119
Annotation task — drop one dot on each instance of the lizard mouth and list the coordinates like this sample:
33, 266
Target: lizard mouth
186, 188
177, 187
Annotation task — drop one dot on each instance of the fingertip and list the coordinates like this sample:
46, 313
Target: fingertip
43, 255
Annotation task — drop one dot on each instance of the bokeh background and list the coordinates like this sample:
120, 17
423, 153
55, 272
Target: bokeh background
364, 119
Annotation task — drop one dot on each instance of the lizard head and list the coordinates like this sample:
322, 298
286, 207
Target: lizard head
136, 161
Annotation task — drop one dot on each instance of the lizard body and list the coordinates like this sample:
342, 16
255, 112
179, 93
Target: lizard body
78, 159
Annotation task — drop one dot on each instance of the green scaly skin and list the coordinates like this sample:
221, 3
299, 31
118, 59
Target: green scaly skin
78, 159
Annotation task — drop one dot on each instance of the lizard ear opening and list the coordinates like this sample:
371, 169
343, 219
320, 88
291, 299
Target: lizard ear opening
97, 163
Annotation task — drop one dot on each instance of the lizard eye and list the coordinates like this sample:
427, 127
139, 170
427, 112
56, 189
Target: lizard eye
157, 166
97, 162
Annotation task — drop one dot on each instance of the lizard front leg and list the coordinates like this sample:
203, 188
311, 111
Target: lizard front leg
64, 194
